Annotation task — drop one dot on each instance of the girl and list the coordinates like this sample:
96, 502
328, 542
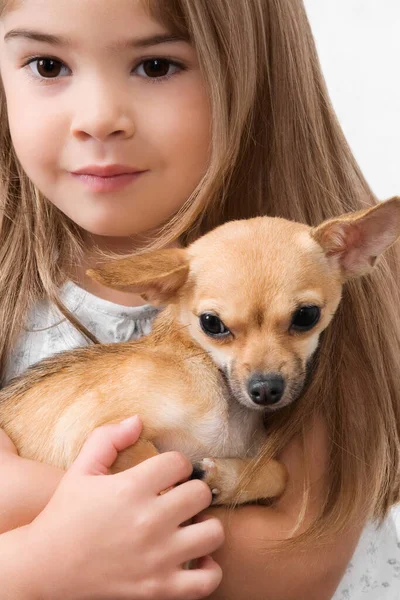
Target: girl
148, 132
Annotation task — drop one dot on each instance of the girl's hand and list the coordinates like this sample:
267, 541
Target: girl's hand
114, 536
7, 448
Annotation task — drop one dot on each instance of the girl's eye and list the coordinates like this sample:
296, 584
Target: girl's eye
48, 68
157, 68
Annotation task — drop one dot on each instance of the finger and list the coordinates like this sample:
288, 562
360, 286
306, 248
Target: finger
185, 501
222, 513
102, 446
194, 584
195, 541
161, 472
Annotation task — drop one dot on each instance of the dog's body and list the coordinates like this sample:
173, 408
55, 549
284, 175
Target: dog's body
234, 341
51, 411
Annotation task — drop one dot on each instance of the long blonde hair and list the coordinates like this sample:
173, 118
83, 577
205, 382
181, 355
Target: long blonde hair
277, 149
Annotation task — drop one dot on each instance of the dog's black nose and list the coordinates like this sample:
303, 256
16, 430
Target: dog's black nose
266, 389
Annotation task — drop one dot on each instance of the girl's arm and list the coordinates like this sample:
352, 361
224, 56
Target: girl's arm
15, 568
252, 569
115, 536
26, 486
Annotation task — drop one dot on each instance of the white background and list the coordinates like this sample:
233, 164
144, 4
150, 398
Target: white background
358, 43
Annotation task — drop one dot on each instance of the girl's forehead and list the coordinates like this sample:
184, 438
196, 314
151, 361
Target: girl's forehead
7, 5
106, 21
103, 20
146, 6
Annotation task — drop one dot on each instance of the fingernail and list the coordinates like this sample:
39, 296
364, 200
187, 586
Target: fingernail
128, 423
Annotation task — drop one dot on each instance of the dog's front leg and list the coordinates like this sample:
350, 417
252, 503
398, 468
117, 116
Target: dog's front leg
132, 456
224, 477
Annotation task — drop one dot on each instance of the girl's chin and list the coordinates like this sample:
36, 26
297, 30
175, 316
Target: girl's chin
116, 237
113, 232
106, 225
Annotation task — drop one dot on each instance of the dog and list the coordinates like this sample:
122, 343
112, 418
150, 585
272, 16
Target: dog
245, 306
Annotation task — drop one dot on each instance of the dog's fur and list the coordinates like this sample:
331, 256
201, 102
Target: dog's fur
192, 390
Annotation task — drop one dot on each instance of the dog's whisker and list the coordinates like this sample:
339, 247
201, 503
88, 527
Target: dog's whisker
182, 327
196, 355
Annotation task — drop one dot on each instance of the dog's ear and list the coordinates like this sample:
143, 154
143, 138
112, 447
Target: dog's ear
156, 276
355, 240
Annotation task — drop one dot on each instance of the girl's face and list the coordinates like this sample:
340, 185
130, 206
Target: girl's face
108, 112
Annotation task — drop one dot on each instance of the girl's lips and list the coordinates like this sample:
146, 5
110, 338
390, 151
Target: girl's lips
107, 183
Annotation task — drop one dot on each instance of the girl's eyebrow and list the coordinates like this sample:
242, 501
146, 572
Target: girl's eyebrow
56, 40
36, 36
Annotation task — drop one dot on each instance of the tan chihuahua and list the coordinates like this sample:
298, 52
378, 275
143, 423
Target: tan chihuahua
246, 305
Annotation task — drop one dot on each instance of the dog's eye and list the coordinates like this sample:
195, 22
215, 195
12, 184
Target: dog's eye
213, 326
305, 318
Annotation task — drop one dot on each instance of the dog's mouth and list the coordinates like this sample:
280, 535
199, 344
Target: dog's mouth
233, 392
237, 392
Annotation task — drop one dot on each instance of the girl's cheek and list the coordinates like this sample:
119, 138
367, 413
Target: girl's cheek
185, 127
36, 139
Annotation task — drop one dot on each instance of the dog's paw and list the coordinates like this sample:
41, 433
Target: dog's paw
207, 471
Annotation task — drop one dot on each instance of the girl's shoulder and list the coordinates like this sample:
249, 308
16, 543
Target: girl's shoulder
374, 571
47, 332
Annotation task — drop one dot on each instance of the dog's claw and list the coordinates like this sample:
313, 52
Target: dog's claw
198, 471
215, 493
206, 471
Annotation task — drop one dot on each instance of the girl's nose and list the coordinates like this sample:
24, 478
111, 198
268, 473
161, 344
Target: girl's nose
102, 114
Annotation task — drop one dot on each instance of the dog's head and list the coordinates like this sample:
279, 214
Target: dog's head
256, 294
